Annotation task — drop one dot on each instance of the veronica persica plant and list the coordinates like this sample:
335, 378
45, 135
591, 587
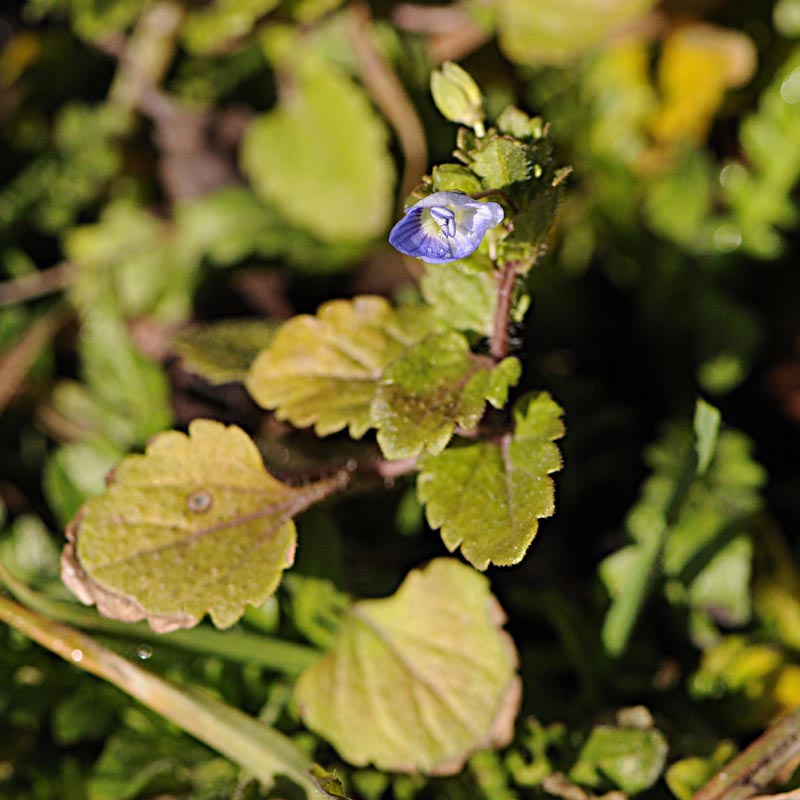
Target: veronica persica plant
444, 226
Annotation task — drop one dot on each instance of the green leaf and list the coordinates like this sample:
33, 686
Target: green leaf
132, 762
488, 497
417, 681
706, 433
501, 162
518, 124
630, 758
228, 225
435, 386
687, 776
210, 27
324, 370
455, 178
554, 31
694, 529
134, 255
321, 156
194, 525
75, 472
86, 715
760, 194
223, 351
463, 293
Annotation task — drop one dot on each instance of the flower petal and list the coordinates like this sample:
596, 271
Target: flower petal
453, 229
410, 237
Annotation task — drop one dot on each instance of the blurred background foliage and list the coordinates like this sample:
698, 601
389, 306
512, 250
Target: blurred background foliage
165, 166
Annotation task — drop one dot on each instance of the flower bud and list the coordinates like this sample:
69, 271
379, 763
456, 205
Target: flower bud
457, 96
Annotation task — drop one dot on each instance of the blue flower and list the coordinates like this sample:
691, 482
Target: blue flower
444, 226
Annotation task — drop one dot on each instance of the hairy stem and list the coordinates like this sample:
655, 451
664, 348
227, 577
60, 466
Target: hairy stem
770, 758
498, 342
16, 362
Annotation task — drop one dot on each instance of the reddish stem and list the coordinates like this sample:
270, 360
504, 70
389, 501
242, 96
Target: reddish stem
498, 343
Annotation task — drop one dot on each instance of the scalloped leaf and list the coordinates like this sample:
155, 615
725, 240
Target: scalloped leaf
462, 292
501, 162
488, 497
435, 386
222, 352
419, 681
325, 370
194, 525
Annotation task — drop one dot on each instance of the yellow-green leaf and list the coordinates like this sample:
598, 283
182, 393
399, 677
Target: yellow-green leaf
462, 292
324, 370
435, 386
321, 156
223, 351
194, 525
488, 497
418, 681
554, 31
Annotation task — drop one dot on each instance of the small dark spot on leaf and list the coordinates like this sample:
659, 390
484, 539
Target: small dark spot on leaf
200, 502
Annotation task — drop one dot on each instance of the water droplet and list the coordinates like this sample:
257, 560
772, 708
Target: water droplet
727, 238
351, 465
144, 651
732, 176
199, 502
790, 88
76, 655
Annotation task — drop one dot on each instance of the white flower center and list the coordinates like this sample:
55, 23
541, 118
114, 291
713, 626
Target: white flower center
445, 219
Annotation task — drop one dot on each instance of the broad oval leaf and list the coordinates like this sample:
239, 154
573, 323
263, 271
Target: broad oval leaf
194, 525
488, 497
555, 31
435, 386
419, 681
324, 370
321, 156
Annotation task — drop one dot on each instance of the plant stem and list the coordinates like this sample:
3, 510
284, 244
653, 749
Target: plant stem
36, 284
390, 97
254, 746
288, 658
498, 342
774, 754
16, 362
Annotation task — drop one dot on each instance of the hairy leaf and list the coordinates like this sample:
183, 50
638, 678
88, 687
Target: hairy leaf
223, 351
324, 370
194, 525
432, 388
322, 156
463, 293
501, 162
420, 680
488, 497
